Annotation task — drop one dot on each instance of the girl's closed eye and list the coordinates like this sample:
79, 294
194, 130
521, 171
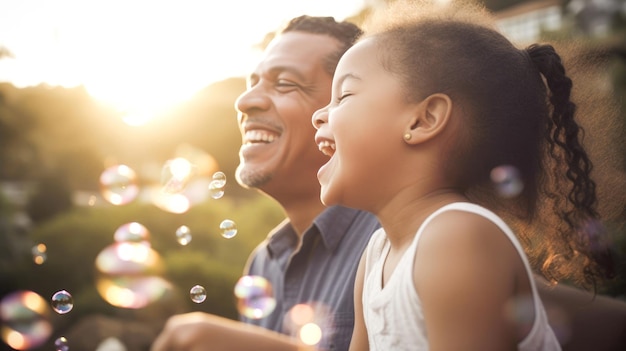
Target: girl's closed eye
343, 96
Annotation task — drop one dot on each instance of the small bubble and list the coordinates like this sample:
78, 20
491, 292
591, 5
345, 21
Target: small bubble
119, 184
62, 302
131, 232
255, 298
39, 253
215, 190
197, 294
183, 235
219, 178
228, 228
507, 180
61, 344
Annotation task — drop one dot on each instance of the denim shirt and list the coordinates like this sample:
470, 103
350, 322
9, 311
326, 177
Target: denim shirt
320, 273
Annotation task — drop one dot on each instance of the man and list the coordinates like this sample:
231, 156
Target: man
312, 256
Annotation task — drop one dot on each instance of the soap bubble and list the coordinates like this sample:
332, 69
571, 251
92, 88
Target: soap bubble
62, 302
183, 235
255, 298
25, 317
197, 294
228, 228
119, 184
507, 180
215, 190
131, 232
176, 174
39, 253
128, 275
61, 344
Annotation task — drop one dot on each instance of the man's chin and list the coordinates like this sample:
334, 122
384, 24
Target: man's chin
251, 178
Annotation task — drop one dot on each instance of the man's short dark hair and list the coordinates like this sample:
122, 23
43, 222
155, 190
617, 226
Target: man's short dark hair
345, 32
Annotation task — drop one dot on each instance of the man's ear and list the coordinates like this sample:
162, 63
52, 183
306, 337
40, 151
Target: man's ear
429, 118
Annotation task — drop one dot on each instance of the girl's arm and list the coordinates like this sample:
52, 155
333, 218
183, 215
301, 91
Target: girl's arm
359, 340
464, 274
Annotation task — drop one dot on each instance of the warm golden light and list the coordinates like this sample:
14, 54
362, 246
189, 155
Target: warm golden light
142, 57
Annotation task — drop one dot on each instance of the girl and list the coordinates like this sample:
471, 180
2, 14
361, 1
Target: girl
426, 111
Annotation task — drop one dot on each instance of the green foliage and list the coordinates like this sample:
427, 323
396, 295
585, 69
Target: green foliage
75, 238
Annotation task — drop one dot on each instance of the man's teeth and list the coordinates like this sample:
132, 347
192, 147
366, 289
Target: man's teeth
256, 136
327, 147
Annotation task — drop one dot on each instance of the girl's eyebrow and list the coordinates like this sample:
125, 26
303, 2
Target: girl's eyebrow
347, 76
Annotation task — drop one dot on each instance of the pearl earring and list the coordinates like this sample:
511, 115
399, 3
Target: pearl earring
407, 136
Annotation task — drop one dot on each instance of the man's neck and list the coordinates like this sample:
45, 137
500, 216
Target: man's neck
302, 213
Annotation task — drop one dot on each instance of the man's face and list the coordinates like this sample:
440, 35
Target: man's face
278, 153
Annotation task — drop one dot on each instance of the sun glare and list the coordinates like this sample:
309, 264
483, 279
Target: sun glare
142, 57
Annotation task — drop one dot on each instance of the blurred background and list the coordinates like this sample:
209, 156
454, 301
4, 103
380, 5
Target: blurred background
119, 143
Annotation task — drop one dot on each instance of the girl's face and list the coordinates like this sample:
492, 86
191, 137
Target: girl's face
361, 130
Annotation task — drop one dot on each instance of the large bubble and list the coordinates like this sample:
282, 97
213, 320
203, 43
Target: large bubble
131, 232
129, 275
255, 297
119, 184
25, 320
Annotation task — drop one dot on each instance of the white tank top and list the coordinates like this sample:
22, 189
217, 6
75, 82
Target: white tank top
393, 315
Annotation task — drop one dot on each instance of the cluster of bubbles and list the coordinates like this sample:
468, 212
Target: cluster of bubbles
255, 297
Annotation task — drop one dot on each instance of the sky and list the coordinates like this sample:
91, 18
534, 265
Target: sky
140, 52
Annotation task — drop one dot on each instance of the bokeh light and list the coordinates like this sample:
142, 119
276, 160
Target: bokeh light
173, 203
507, 181
62, 302
310, 323
25, 320
197, 294
183, 235
39, 253
118, 184
228, 228
255, 297
129, 275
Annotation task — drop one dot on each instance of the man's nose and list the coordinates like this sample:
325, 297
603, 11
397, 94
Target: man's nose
254, 98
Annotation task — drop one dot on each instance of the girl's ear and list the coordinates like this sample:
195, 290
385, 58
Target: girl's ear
430, 117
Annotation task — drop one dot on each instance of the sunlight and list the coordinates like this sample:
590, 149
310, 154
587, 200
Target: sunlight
142, 57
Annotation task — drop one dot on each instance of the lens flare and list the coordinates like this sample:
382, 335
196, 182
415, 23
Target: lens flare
176, 174
311, 323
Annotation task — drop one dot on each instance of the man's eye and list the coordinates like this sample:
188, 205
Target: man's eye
282, 83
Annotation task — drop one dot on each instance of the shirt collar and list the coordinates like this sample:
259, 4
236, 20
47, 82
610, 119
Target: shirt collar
332, 224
